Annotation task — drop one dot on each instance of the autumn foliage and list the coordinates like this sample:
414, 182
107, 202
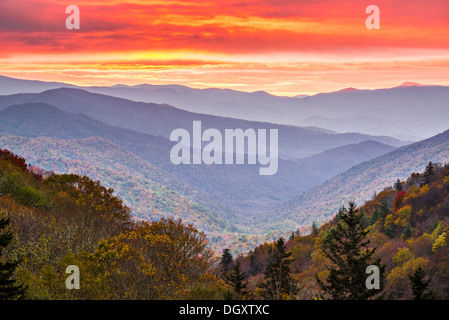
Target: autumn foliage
70, 219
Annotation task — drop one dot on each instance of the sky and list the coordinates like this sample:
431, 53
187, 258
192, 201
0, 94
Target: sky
282, 47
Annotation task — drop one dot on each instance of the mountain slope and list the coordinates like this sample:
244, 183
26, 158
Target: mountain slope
358, 183
10, 86
239, 187
134, 180
42, 120
329, 163
155, 119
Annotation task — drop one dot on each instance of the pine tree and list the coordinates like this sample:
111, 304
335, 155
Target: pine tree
347, 249
315, 230
236, 279
398, 185
255, 267
381, 211
420, 284
428, 174
226, 262
278, 283
8, 287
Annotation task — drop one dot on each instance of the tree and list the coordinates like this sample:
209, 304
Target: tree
226, 262
428, 174
157, 260
14, 159
8, 287
420, 284
236, 279
347, 249
278, 283
398, 185
380, 211
315, 230
255, 266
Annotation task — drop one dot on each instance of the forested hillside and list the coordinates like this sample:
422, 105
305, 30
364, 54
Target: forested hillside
358, 183
407, 226
49, 224
61, 220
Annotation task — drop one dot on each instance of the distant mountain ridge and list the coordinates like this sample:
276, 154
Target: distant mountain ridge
377, 112
157, 119
233, 190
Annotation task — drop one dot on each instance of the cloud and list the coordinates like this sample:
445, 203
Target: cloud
276, 39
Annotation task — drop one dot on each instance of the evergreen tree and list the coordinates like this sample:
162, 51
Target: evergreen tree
8, 287
407, 232
294, 234
428, 174
347, 249
420, 284
255, 267
236, 279
377, 214
226, 262
315, 230
398, 185
278, 283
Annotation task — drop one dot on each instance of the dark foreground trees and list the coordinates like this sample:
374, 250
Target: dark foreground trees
278, 283
9, 289
420, 283
346, 246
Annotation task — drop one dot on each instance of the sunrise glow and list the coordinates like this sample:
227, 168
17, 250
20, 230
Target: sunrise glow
282, 47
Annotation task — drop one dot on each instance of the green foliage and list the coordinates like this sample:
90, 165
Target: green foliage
226, 261
30, 196
236, 279
428, 174
420, 284
347, 248
278, 283
9, 289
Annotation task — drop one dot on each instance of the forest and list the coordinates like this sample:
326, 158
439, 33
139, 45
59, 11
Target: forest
50, 222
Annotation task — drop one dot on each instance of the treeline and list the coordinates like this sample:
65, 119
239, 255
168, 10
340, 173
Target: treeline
48, 224
403, 231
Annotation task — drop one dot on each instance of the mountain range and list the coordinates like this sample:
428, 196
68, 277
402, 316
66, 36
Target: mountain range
360, 182
239, 187
388, 111
125, 144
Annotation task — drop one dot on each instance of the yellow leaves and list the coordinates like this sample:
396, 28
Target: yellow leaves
398, 280
424, 189
404, 215
402, 256
412, 192
389, 220
441, 241
421, 212
400, 218
439, 229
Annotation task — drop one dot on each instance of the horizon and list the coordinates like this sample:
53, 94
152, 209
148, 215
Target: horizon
403, 84
283, 48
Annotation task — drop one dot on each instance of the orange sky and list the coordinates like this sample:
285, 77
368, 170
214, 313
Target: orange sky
283, 47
